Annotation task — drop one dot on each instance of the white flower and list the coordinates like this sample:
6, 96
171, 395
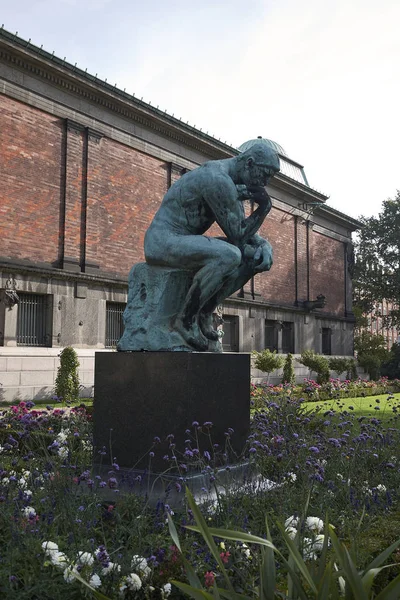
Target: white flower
69, 574
85, 558
291, 522
26, 474
134, 582
381, 488
58, 559
308, 549
28, 493
110, 568
28, 511
314, 524
245, 550
95, 581
318, 542
291, 531
49, 547
166, 590
62, 452
22, 483
292, 477
139, 563
62, 436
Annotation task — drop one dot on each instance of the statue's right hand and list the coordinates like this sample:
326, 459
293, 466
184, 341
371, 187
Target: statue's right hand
259, 196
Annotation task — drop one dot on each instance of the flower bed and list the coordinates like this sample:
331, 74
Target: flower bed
60, 532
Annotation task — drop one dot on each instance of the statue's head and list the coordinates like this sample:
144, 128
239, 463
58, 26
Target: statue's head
258, 164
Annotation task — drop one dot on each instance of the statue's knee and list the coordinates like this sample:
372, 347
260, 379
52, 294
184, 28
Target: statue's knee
231, 258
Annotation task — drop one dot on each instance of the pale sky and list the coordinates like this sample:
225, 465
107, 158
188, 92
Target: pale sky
320, 77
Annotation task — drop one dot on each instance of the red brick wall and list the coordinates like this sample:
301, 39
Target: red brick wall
278, 284
125, 189
111, 194
327, 271
30, 185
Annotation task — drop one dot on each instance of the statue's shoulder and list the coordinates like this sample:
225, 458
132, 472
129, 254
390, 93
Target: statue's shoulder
214, 172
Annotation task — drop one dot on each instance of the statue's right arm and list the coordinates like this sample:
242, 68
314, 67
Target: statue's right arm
222, 197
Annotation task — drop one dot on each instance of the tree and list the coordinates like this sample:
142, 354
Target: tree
317, 363
288, 375
371, 352
391, 367
267, 361
377, 262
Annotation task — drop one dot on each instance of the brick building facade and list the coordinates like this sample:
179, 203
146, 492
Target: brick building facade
84, 167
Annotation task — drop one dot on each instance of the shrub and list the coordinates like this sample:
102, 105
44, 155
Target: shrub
267, 361
67, 381
317, 363
288, 375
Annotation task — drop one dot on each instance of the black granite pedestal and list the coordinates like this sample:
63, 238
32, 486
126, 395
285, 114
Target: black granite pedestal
142, 395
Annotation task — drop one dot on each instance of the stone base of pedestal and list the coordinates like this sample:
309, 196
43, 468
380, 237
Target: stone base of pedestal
142, 395
155, 295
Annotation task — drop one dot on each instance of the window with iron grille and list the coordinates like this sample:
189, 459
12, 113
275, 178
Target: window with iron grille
230, 341
288, 337
114, 323
34, 320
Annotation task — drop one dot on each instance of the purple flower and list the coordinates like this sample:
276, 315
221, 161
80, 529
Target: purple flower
207, 455
151, 454
112, 483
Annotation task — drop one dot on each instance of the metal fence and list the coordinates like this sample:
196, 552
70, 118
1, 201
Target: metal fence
32, 320
114, 323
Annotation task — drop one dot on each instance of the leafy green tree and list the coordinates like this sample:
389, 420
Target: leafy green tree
377, 263
391, 367
317, 363
67, 381
288, 375
371, 352
268, 361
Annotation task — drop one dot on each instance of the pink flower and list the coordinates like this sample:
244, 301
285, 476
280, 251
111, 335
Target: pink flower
209, 579
225, 557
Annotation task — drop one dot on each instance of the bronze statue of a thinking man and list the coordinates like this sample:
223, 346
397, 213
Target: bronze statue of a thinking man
214, 192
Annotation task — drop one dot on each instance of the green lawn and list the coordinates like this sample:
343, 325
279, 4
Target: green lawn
361, 406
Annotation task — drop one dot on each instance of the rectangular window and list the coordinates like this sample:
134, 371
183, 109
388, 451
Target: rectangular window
114, 323
34, 320
287, 337
271, 335
326, 340
230, 340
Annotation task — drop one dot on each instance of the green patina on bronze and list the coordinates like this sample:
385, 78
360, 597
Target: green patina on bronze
205, 270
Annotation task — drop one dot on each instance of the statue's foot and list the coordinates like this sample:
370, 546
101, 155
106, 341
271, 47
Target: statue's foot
206, 326
192, 335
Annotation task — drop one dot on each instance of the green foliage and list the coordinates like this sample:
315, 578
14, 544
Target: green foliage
343, 365
377, 264
317, 363
67, 381
371, 352
268, 361
391, 367
334, 575
288, 375
339, 365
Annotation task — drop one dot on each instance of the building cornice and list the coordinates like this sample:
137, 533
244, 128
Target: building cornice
25, 56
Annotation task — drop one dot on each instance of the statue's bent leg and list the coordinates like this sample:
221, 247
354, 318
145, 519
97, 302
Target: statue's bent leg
214, 261
235, 282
